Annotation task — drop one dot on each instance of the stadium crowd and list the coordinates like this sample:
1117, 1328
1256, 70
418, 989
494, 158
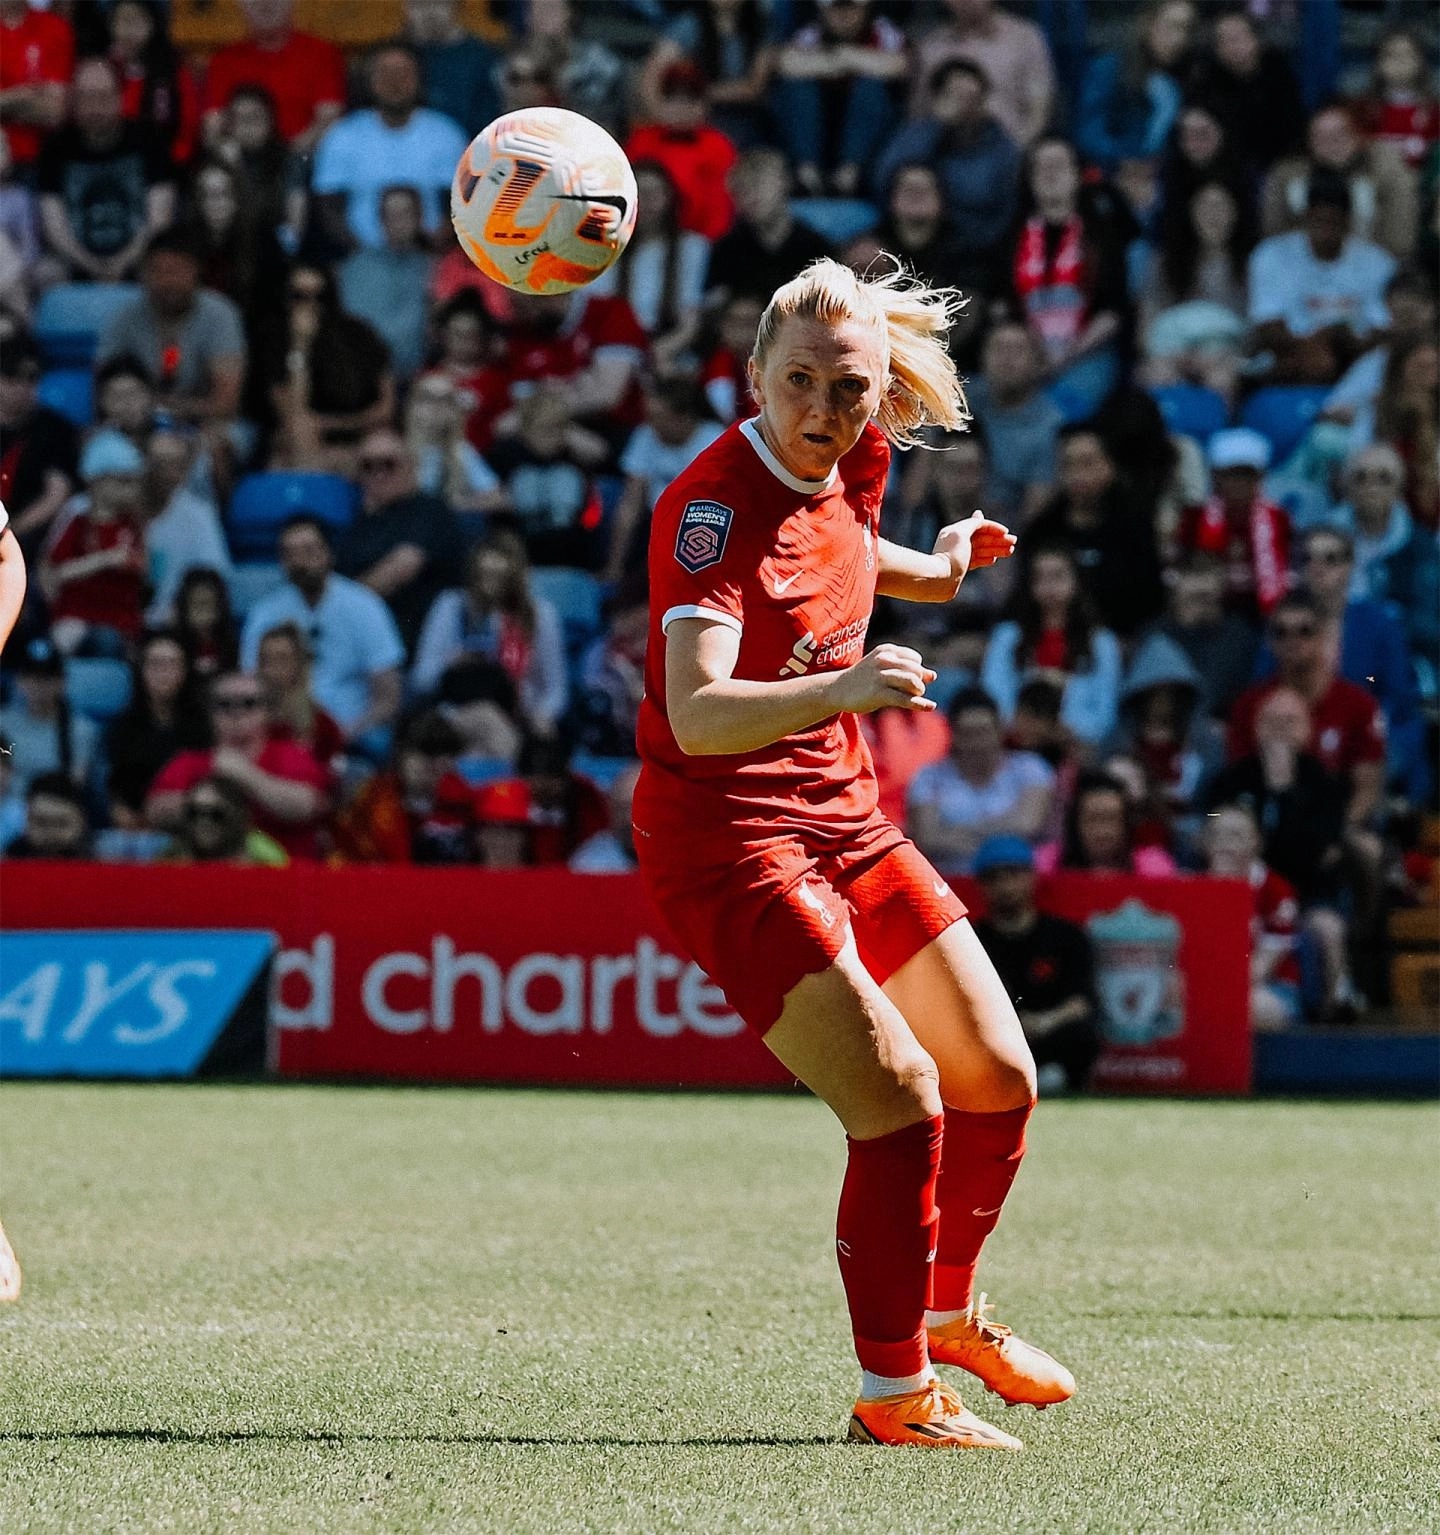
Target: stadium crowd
337, 549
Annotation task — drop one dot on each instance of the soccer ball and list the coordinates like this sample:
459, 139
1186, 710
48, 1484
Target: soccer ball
543, 200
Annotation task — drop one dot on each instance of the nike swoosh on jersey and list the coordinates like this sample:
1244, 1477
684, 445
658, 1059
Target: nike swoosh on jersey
787, 583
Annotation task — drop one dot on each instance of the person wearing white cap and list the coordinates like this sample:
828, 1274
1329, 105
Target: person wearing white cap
12, 578
1248, 531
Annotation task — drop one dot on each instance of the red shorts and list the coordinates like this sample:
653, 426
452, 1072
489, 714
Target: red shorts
781, 908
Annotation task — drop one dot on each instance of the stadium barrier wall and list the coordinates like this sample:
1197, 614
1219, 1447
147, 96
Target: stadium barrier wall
542, 976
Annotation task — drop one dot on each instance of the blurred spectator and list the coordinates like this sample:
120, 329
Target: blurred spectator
611, 851
1045, 963
1099, 835
696, 154
1252, 89
395, 143
181, 526
547, 468
356, 647
478, 698
418, 812
678, 427
190, 341
724, 372
405, 545
282, 666
1395, 562
980, 790
386, 288
1249, 533
467, 348
978, 163
564, 808
1202, 150
56, 825
504, 834
917, 228
447, 467
497, 618
164, 717
901, 742
327, 375
1221, 645
215, 827
125, 399
93, 571
206, 623
1401, 109
1036, 727
1410, 300
456, 67
1054, 630
1021, 422
765, 246
104, 187
1012, 53
37, 53
612, 683
729, 40
1111, 536
1232, 851
45, 734
527, 80
1129, 101
39, 448
20, 235
1068, 280
159, 91
662, 277
1407, 416
239, 256
12, 801
1382, 187
585, 75
1193, 302
288, 791
833, 94
937, 487
304, 75
246, 136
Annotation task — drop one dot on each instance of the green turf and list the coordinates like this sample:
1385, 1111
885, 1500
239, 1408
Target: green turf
319, 1310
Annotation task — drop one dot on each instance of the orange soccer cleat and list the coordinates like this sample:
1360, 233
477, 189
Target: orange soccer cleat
934, 1417
1009, 1366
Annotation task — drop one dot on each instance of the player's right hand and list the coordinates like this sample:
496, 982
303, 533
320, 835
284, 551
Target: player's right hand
891, 676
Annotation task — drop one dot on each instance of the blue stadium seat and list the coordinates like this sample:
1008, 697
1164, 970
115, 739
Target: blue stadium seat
249, 583
262, 503
1283, 414
72, 316
1191, 411
838, 219
575, 595
97, 686
71, 391
600, 770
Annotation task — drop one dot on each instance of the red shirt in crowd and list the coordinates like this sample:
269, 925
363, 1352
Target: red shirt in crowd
698, 161
1277, 917
114, 597
40, 47
281, 759
183, 112
302, 74
1347, 727
594, 325
1411, 126
1254, 544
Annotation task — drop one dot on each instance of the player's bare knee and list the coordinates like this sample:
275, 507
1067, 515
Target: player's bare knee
916, 1082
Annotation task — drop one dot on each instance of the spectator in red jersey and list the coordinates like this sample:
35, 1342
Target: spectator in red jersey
1240, 526
1232, 851
305, 75
420, 811
94, 572
288, 791
725, 373
697, 156
206, 622
468, 350
37, 53
1099, 835
282, 665
1401, 109
731, 41
834, 90
157, 87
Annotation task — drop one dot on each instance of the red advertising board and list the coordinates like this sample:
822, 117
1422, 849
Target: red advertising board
544, 976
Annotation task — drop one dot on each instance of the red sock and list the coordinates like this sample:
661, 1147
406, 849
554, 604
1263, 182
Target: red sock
982, 1156
885, 1237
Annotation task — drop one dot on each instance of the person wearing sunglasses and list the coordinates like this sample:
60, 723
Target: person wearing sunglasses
215, 827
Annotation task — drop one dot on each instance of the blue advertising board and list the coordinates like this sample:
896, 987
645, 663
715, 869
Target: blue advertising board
121, 1004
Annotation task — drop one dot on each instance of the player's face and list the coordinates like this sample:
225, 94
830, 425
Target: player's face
818, 387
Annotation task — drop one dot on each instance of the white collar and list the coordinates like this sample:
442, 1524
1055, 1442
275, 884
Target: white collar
750, 430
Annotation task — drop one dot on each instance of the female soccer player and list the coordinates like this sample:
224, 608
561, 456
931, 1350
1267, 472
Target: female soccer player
760, 839
12, 598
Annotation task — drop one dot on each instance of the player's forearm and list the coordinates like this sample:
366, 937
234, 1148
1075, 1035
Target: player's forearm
915, 577
733, 715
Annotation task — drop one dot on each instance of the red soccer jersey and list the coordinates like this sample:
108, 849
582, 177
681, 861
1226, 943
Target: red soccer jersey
306, 72
595, 325
40, 48
790, 565
282, 759
1346, 725
113, 597
698, 161
1277, 917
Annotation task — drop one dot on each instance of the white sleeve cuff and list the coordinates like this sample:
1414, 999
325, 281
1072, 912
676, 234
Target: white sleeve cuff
693, 610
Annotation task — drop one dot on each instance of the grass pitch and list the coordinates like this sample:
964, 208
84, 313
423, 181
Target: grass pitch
315, 1310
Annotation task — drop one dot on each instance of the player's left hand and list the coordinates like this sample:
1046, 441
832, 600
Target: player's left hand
975, 543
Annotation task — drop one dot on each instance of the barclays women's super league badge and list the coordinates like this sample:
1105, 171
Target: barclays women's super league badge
1137, 974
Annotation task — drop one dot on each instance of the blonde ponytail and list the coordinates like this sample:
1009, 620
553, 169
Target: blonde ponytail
922, 387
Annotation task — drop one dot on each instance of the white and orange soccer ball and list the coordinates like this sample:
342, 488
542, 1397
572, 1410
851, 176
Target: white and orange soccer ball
543, 200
